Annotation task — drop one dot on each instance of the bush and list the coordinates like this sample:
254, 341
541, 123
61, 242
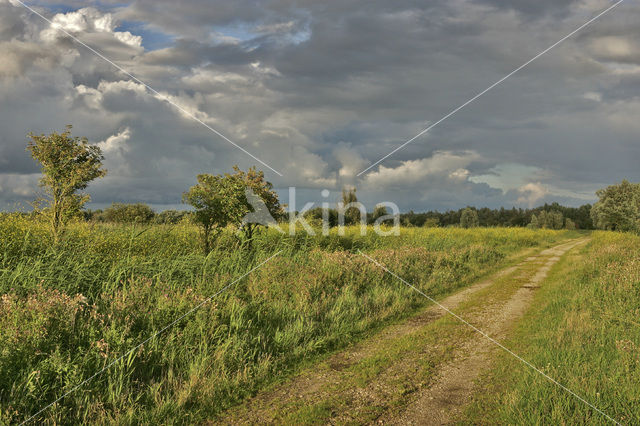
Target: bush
171, 217
129, 213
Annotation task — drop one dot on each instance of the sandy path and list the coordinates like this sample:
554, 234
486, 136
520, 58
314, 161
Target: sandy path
444, 400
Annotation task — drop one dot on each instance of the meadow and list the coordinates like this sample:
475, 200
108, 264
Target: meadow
69, 309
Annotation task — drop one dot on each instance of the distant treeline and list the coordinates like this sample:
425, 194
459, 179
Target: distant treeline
500, 217
135, 213
514, 217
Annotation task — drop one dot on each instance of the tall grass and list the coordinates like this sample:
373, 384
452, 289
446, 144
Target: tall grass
68, 310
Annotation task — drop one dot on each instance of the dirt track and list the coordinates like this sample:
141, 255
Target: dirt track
453, 361
440, 403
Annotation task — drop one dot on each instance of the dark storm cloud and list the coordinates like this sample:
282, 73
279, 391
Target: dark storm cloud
320, 90
535, 8
11, 24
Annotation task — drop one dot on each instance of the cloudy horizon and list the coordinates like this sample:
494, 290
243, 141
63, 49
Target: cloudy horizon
320, 91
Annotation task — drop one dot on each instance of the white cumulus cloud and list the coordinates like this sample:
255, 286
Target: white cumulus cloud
441, 163
88, 20
531, 193
117, 142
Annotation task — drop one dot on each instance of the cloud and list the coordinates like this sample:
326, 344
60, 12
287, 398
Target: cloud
508, 176
23, 189
115, 148
616, 49
351, 162
18, 55
459, 174
87, 20
440, 164
532, 9
116, 143
532, 193
12, 24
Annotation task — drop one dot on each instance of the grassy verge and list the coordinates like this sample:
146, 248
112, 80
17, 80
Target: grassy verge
67, 311
583, 331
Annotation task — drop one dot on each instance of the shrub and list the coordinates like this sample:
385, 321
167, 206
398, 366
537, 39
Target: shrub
171, 217
129, 213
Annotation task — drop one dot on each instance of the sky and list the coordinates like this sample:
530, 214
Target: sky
319, 91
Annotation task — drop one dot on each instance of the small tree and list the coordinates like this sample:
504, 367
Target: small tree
268, 198
555, 219
68, 165
351, 214
569, 224
469, 218
534, 222
218, 201
551, 219
618, 208
378, 211
317, 215
543, 219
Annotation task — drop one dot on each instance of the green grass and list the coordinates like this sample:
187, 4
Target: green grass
584, 332
68, 310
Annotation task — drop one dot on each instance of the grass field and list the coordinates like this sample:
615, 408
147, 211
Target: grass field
584, 331
68, 310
